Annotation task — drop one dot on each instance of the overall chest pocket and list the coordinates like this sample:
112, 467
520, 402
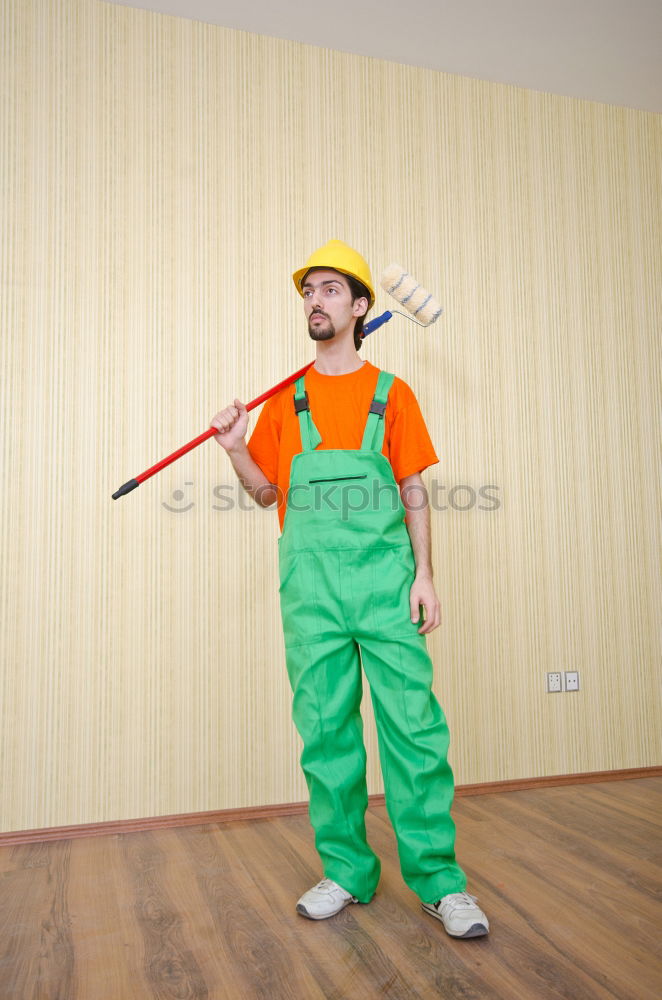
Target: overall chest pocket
338, 479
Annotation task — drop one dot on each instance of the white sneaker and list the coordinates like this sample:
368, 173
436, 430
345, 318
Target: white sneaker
459, 914
324, 900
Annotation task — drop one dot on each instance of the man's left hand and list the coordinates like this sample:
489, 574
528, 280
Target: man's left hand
423, 593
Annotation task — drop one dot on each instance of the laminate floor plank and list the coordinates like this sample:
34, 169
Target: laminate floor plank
516, 827
23, 909
106, 933
636, 802
171, 966
36, 945
192, 874
587, 843
570, 877
647, 788
580, 813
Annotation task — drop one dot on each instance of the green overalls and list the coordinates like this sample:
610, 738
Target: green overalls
346, 566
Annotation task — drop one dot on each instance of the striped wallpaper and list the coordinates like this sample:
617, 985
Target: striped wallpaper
160, 179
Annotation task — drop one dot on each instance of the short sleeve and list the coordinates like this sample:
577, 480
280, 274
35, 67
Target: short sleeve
411, 449
264, 443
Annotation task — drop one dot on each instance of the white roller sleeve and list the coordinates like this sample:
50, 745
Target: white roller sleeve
407, 291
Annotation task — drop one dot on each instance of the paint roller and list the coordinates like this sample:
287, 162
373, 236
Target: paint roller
421, 307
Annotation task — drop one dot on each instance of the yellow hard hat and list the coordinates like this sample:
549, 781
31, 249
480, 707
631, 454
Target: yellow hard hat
337, 256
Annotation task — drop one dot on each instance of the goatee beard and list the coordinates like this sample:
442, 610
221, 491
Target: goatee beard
322, 332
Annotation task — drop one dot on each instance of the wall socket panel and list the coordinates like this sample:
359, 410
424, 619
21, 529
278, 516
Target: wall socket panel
554, 683
559, 681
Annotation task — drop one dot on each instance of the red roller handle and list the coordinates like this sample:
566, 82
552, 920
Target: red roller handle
133, 483
374, 324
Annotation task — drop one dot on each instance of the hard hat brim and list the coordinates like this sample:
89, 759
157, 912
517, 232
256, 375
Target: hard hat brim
336, 255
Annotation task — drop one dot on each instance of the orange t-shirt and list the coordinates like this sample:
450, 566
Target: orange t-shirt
339, 407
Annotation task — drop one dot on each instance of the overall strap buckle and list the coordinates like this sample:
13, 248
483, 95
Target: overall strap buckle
301, 403
310, 436
373, 434
377, 407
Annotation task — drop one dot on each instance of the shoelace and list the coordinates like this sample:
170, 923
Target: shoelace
459, 901
326, 885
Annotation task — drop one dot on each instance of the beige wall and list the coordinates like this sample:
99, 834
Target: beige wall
160, 180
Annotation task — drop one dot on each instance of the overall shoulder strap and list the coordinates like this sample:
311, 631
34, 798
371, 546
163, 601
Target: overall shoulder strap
310, 436
373, 435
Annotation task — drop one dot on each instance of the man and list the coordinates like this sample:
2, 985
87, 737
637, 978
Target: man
342, 452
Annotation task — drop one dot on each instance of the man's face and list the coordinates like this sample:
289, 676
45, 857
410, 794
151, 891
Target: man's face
327, 303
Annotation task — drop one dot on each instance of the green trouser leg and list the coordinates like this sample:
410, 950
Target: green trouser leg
327, 687
418, 781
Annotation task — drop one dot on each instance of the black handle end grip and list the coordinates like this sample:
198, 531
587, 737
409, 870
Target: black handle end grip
131, 485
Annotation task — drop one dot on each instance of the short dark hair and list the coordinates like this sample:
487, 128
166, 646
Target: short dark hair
357, 290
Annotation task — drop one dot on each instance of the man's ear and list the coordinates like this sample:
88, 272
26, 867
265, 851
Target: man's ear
360, 306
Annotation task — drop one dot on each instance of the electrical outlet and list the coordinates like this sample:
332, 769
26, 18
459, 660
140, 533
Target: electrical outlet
572, 680
554, 683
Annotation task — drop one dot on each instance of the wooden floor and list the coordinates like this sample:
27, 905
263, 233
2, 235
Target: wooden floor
570, 877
